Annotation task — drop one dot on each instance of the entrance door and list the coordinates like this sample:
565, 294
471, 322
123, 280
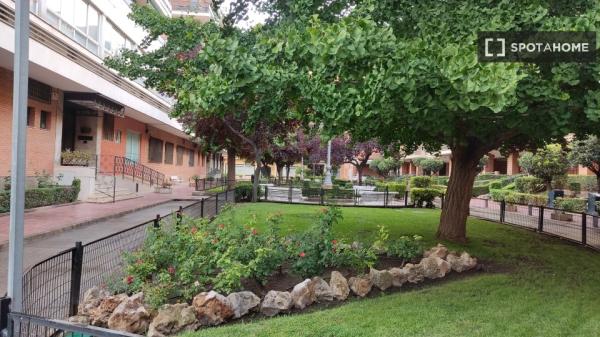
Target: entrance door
132, 146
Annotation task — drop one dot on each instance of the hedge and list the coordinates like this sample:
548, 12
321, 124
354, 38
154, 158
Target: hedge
46, 196
587, 183
480, 190
420, 182
518, 198
243, 192
391, 187
576, 205
529, 184
425, 196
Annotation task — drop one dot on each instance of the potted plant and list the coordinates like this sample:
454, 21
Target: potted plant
75, 158
564, 205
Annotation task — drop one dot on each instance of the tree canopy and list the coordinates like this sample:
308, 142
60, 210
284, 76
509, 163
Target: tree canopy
586, 152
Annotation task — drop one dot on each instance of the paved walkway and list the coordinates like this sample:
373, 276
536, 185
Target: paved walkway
37, 249
45, 220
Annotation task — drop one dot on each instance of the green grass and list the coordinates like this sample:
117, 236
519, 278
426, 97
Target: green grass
542, 286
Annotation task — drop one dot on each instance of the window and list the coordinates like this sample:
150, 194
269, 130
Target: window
191, 159
155, 150
118, 137
169, 147
30, 116
108, 127
179, 155
44, 120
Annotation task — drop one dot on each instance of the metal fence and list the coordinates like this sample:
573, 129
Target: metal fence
577, 227
337, 196
52, 288
205, 184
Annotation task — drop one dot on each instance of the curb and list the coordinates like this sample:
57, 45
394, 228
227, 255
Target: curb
37, 236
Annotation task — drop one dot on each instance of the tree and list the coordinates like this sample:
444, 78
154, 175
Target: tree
285, 153
217, 72
358, 154
548, 163
407, 72
431, 165
384, 165
586, 152
526, 161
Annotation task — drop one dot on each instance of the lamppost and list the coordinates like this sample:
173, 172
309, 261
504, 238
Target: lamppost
327, 183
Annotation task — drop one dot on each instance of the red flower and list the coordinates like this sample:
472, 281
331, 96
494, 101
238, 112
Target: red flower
221, 226
301, 254
171, 270
334, 241
194, 230
129, 279
254, 231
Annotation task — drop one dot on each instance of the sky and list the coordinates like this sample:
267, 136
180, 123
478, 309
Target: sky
254, 17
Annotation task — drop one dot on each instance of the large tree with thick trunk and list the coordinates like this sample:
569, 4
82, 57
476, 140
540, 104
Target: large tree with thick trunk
407, 71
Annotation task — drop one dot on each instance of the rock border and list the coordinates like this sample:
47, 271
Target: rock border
130, 314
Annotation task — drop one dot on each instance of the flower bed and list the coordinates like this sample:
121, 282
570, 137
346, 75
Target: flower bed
177, 279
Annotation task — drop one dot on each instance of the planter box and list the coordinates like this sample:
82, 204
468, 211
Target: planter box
561, 216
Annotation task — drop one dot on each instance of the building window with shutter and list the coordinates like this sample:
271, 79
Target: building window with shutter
108, 127
191, 159
169, 149
44, 120
155, 149
30, 116
180, 155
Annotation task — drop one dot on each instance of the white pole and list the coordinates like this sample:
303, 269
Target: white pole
19, 138
327, 182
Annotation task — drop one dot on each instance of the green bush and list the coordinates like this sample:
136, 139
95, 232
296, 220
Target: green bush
529, 184
398, 187
576, 205
498, 195
46, 196
587, 183
480, 190
424, 196
243, 192
495, 185
406, 247
575, 187
518, 198
440, 180
420, 182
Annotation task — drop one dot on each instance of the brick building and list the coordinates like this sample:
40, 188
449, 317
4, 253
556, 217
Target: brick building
76, 103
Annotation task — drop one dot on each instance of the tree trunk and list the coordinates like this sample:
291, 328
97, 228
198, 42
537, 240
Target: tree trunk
359, 170
230, 168
279, 169
453, 220
287, 172
598, 182
255, 183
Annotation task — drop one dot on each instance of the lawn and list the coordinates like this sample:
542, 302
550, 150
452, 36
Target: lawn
536, 285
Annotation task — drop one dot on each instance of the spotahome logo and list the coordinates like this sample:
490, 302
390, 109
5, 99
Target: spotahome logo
536, 47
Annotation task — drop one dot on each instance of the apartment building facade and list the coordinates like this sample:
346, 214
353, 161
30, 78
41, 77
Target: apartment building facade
78, 104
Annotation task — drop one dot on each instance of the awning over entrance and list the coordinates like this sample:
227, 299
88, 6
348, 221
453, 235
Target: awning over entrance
97, 102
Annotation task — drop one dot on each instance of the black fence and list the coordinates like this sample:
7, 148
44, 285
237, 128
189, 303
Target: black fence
577, 227
337, 196
206, 184
52, 288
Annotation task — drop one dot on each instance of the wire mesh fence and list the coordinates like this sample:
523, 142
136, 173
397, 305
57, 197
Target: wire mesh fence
52, 288
24, 325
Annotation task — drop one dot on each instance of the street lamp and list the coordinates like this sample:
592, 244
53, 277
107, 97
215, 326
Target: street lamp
327, 183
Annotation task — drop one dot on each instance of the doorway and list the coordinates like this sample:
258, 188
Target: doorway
132, 146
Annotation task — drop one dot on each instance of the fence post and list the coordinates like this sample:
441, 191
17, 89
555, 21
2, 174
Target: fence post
76, 266
502, 210
583, 228
217, 204
541, 220
322, 195
405, 198
157, 221
202, 208
385, 197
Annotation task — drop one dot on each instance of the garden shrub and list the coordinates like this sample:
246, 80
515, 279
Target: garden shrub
529, 184
518, 197
498, 195
424, 196
495, 185
398, 187
480, 190
574, 187
576, 205
587, 183
406, 247
243, 192
420, 182
441, 188
46, 196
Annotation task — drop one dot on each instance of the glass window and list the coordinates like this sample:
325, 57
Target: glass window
45, 120
80, 19
169, 147
191, 159
108, 127
92, 23
67, 11
30, 116
180, 155
155, 149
